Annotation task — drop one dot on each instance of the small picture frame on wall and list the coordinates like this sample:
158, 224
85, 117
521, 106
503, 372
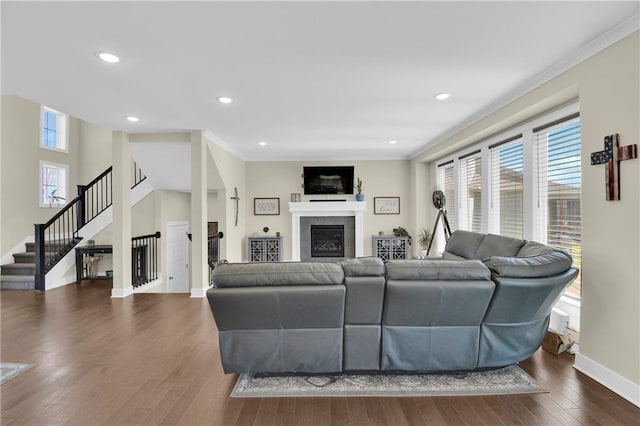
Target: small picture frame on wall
386, 205
266, 206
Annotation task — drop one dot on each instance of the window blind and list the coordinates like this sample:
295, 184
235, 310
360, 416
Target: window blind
471, 193
559, 183
507, 188
447, 184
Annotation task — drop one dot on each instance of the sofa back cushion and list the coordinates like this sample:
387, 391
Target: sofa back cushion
464, 244
497, 245
443, 270
363, 266
277, 274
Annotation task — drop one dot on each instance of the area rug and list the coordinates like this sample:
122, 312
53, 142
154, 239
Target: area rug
507, 380
9, 370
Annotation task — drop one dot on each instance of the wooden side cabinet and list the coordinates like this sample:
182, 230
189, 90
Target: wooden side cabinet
264, 249
390, 247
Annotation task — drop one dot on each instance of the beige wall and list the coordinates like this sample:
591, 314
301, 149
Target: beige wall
20, 169
231, 174
280, 179
607, 86
95, 152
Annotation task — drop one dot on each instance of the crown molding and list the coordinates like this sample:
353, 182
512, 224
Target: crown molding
592, 48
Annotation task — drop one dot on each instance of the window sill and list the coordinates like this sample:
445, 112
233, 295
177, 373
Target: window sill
571, 306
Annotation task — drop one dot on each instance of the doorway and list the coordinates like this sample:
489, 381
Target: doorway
177, 257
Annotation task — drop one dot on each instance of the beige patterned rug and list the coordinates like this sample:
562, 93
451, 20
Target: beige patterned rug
9, 370
507, 380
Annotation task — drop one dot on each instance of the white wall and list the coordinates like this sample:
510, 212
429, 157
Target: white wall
607, 86
280, 179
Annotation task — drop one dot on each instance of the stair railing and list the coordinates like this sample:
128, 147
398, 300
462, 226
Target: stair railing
144, 259
57, 237
213, 252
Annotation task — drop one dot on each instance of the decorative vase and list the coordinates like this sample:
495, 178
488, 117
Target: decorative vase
359, 197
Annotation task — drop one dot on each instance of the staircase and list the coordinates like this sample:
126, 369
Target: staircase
57, 238
20, 275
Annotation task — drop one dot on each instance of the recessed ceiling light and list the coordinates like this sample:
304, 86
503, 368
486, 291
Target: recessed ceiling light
442, 96
393, 142
132, 118
108, 57
262, 143
224, 100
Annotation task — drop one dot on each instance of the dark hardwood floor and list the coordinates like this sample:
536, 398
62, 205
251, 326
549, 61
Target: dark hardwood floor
153, 359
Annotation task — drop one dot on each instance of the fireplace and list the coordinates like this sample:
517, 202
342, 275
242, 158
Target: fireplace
348, 214
327, 241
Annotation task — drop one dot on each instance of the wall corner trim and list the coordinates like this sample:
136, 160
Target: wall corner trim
119, 293
198, 292
609, 378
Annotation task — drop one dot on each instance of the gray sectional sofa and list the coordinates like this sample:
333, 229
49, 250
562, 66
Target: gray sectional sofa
485, 303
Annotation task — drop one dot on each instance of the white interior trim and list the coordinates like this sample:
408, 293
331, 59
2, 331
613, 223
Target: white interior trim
606, 377
198, 292
119, 293
327, 208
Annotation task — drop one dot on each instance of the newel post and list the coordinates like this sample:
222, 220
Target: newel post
40, 257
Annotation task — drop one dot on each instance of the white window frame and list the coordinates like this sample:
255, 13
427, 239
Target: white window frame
63, 187
530, 183
62, 139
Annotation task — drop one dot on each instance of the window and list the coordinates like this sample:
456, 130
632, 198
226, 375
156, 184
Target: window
525, 183
559, 183
470, 200
53, 184
507, 188
447, 184
53, 130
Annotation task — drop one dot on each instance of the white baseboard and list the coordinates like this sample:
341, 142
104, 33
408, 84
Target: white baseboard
606, 377
118, 293
198, 292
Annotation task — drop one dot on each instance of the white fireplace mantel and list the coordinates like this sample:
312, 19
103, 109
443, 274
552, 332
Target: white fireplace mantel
327, 208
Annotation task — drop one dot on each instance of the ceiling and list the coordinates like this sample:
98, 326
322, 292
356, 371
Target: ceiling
315, 80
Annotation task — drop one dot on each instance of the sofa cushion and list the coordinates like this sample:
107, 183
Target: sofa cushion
497, 245
464, 244
450, 256
449, 270
363, 266
531, 248
543, 265
277, 274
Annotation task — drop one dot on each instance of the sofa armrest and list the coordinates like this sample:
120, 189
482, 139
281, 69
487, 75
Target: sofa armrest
543, 265
443, 270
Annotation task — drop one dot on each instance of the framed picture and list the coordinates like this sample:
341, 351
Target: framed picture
266, 206
386, 205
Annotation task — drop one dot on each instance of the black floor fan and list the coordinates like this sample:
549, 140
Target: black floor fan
439, 201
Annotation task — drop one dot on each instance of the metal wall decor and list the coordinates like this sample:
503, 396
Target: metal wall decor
612, 155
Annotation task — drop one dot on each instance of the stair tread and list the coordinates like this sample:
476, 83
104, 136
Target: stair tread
17, 278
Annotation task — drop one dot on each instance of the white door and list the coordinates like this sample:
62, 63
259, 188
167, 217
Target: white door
177, 257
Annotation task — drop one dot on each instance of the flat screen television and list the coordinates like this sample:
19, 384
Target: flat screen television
320, 180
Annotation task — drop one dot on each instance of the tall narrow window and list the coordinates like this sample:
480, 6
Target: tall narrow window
470, 193
559, 183
53, 130
53, 184
506, 188
447, 184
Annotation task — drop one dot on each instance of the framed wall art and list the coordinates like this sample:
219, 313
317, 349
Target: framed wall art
266, 206
386, 205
